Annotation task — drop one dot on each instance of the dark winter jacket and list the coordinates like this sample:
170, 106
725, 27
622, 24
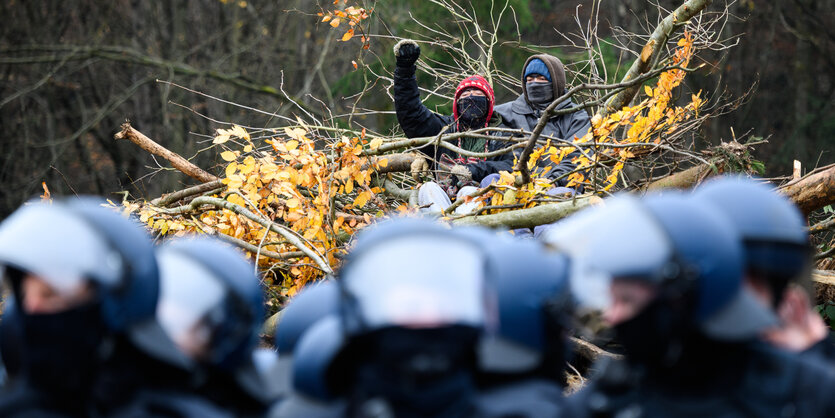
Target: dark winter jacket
522, 114
761, 382
417, 121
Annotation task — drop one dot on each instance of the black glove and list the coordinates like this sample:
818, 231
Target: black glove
407, 53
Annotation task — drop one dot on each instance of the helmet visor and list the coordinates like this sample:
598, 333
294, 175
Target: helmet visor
62, 249
188, 293
419, 282
618, 240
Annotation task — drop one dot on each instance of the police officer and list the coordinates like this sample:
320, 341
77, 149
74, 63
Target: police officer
313, 303
777, 259
667, 273
413, 303
522, 365
84, 285
212, 307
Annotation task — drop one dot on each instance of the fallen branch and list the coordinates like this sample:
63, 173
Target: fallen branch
682, 179
812, 191
589, 351
170, 198
824, 281
253, 248
178, 162
289, 235
822, 226
531, 217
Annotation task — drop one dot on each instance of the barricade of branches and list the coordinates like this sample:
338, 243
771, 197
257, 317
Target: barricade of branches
292, 196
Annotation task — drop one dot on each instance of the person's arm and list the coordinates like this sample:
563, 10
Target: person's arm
579, 125
481, 169
415, 119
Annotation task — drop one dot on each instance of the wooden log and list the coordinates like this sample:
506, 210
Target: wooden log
812, 191
682, 179
128, 132
824, 282
531, 217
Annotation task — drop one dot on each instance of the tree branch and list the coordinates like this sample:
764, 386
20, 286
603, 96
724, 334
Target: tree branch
531, 217
649, 54
180, 163
290, 236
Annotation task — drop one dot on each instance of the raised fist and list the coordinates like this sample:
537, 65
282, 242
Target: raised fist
407, 52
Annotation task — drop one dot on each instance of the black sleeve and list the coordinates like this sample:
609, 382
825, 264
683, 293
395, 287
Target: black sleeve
415, 119
484, 168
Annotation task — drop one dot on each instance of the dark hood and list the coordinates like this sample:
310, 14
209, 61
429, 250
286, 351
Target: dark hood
557, 74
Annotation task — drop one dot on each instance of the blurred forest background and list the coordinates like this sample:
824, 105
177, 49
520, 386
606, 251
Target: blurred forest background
72, 71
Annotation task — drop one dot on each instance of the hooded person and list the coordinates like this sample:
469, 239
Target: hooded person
472, 108
667, 273
543, 81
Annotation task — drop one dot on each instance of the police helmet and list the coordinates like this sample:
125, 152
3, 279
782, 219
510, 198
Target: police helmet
207, 281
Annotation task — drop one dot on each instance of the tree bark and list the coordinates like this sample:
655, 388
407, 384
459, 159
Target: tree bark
812, 191
824, 282
529, 218
682, 179
180, 163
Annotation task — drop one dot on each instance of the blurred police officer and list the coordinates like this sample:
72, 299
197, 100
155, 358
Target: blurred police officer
667, 273
212, 307
522, 364
85, 284
777, 259
413, 303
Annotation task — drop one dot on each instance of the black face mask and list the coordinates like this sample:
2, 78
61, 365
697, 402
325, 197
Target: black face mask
62, 351
472, 111
651, 337
540, 93
419, 372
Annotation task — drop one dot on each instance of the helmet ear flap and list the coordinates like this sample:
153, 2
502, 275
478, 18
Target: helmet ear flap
133, 298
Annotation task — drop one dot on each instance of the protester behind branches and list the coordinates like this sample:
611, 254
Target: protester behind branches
543, 81
472, 108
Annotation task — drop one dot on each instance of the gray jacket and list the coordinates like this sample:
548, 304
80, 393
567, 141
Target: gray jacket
518, 114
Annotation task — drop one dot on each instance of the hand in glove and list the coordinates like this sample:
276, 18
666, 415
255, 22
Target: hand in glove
407, 52
418, 166
462, 173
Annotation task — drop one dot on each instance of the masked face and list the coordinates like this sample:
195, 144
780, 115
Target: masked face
472, 111
61, 351
423, 370
540, 93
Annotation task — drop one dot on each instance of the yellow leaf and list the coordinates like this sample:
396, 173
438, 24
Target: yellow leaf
362, 199
375, 143
220, 138
240, 132
231, 168
383, 162
248, 148
348, 35
293, 203
292, 144
648, 90
295, 133
233, 198
326, 18
228, 156
334, 23
349, 186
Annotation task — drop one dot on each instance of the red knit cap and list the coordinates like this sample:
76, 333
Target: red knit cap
480, 83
